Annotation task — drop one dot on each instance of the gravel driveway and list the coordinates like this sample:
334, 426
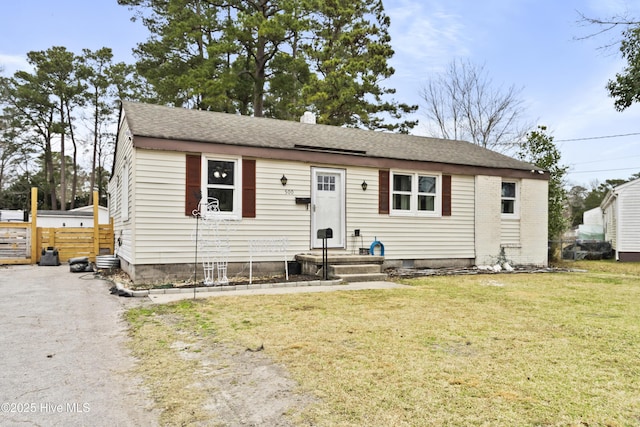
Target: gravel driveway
62, 355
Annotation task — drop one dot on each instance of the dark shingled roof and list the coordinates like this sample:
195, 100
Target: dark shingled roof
205, 126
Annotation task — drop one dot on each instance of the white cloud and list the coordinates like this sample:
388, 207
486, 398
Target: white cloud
424, 37
12, 63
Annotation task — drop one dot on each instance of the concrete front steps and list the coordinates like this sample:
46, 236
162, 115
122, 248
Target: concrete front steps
349, 268
357, 272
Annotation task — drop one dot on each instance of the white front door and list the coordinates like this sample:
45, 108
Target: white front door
328, 206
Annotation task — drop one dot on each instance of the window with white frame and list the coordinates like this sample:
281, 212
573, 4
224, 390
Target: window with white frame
509, 198
427, 193
221, 181
415, 194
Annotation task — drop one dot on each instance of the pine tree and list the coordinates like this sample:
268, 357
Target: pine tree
273, 58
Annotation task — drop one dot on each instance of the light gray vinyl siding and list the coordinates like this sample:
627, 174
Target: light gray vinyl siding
610, 224
412, 237
165, 235
277, 214
628, 201
163, 232
123, 230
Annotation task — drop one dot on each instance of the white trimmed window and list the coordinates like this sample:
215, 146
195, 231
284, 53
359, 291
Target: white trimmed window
509, 198
221, 181
415, 194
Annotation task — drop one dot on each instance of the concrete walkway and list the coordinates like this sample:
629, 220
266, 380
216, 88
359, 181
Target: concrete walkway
63, 355
165, 298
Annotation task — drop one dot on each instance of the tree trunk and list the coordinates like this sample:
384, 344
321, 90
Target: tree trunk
48, 162
259, 77
259, 71
63, 163
99, 174
74, 182
92, 180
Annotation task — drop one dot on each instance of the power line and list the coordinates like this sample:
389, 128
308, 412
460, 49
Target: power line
597, 137
607, 170
603, 160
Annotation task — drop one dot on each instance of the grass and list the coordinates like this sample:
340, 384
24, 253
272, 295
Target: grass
558, 349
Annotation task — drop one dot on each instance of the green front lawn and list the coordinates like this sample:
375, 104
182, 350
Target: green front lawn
551, 349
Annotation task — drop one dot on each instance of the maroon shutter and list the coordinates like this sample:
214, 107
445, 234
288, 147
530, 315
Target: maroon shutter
446, 195
383, 192
248, 188
192, 188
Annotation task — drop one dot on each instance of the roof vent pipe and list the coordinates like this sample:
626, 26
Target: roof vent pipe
308, 117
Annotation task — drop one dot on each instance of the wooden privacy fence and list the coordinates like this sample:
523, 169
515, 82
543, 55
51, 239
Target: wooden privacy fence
15, 243
72, 242
23, 242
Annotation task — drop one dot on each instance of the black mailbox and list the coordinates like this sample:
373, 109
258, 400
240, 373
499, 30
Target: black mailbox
303, 200
325, 233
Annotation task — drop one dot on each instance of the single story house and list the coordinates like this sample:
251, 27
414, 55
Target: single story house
428, 202
621, 210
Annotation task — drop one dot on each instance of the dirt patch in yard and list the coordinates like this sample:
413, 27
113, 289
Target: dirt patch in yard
197, 379
245, 387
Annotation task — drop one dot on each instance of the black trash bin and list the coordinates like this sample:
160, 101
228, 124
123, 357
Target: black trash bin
49, 257
294, 267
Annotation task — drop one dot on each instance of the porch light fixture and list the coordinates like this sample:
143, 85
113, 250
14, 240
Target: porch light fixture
364, 185
283, 180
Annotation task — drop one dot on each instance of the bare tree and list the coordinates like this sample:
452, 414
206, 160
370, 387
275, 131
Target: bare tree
462, 103
617, 24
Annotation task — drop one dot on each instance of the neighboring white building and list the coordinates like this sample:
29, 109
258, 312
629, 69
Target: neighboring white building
621, 209
431, 202
592, 227
11, 215
593, 217
79, 217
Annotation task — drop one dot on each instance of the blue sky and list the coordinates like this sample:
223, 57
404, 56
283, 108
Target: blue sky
529, 44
